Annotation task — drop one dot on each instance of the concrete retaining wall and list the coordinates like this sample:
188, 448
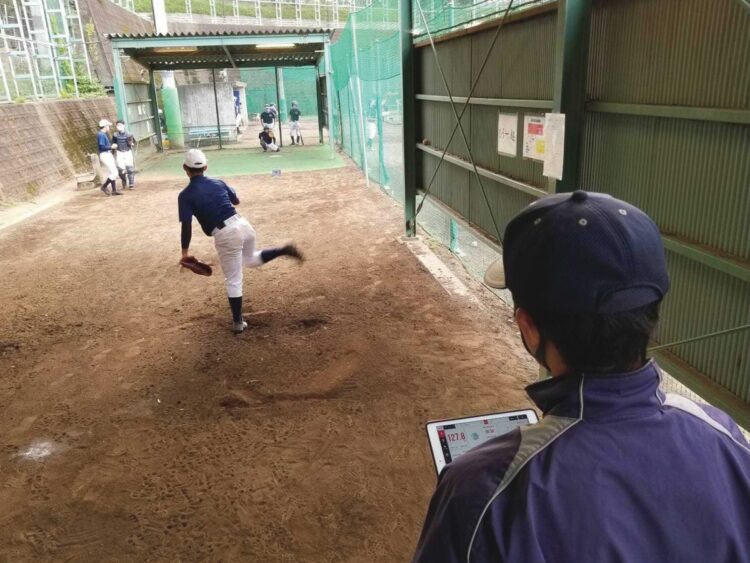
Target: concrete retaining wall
45, 144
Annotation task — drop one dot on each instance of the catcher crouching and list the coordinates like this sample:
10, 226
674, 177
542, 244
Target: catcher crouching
212, 203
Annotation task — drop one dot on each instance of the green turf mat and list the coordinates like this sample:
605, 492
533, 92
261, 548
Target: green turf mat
241, 162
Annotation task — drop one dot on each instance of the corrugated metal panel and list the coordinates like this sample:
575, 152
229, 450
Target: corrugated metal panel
506, 203
437, 122
484, 147
451, 185
692, 177
522, 64
673, 52
455, 60
703, 300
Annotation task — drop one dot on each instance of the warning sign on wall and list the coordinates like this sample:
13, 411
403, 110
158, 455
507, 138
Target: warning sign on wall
533, 137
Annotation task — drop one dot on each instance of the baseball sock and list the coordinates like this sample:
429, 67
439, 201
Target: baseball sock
236, 304
272, 253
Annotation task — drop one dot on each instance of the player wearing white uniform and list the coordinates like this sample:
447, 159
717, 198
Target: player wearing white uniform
212, 203
106, 158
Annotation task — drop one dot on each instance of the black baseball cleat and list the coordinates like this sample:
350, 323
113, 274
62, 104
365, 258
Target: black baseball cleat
293, 252
116, 193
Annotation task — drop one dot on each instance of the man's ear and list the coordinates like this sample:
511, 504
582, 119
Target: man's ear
528, 329
205, 168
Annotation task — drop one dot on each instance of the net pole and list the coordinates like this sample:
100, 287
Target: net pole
359, 98
216, 103
278, 101
329, 95
318, 103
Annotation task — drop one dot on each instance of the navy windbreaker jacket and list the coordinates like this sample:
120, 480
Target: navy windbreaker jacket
617, 471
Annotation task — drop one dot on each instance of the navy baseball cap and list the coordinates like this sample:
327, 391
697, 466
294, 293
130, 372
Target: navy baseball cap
584, 252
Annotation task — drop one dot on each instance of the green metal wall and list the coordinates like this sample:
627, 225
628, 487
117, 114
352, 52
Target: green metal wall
666, 127
521, 67
691, 175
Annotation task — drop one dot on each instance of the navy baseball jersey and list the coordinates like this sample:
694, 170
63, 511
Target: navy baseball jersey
210, 201
103, 141
123, 140
294, 114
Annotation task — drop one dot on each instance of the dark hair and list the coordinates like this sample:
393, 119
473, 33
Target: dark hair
195, 170
600, 343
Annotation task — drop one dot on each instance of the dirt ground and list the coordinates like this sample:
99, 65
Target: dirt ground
136, 427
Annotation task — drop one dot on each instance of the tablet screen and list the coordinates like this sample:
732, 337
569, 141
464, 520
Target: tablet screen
451, 439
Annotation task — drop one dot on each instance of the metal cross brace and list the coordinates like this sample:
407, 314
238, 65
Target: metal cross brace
458, 117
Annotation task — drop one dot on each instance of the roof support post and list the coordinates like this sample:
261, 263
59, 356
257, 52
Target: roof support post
319, 103
573, 23
121, 102
155, 110
409, 118
329, 95
216, 103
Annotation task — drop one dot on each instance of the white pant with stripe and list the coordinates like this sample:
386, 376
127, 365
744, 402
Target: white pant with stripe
235, 244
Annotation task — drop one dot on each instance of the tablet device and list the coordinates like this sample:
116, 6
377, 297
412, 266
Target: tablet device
450, 439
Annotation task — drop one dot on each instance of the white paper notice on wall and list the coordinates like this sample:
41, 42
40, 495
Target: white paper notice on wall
533, 137
507, 134
554, 145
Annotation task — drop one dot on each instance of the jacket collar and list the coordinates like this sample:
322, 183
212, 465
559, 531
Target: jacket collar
600, 397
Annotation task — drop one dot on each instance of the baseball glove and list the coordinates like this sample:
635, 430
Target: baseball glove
196, 266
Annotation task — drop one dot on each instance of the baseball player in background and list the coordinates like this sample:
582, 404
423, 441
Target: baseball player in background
124, 142
212, 203
294, 129
268, 117
106, 158
268, 140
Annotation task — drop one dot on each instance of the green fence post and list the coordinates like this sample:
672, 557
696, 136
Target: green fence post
573, 22
408, 95
453, 235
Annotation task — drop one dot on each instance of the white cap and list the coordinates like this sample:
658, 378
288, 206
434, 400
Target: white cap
104, 123
195, 158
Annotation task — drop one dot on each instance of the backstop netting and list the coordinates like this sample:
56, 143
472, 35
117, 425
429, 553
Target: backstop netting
298, 85
367, 101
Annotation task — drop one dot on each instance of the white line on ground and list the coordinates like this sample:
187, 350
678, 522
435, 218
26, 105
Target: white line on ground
438, 269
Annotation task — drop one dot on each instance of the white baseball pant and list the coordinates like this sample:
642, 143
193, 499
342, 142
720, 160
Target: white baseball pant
235, 244
108, 161
124, 159
294, 128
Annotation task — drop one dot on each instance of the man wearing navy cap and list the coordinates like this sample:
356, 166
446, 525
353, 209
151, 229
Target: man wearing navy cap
617, 470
